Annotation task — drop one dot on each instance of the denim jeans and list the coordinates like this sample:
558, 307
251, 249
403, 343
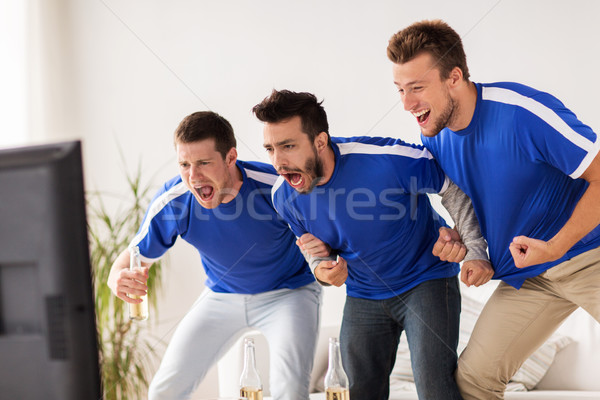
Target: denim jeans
370, 333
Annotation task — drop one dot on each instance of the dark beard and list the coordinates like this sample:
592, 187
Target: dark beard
314, 169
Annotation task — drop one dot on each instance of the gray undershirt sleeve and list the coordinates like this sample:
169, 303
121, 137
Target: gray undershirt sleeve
461, 210
314, 261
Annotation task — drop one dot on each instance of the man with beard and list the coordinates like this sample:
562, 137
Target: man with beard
533, 172
366, 198
256, 275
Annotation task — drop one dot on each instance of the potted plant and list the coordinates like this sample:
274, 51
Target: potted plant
126, 356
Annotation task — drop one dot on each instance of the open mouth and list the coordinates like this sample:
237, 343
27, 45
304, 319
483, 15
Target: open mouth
206, 193
422, 116
294, 179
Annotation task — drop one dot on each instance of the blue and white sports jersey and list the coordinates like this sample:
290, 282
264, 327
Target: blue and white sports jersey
518, 161
375, 212
244, 245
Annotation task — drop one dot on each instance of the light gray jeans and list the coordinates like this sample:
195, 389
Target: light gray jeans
288, 318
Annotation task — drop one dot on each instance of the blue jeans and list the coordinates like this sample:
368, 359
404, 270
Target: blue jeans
371, 329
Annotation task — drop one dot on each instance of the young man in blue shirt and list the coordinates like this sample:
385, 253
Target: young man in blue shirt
367, 199
256, 275
532, 171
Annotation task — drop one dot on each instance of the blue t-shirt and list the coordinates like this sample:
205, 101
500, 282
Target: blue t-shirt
375, 212
519, 161
244, 245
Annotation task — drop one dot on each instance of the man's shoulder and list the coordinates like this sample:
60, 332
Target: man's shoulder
527, 106
280, 189
516, 86
373, 145
285, 198
516, 94
264, 175
172, 188
259, 172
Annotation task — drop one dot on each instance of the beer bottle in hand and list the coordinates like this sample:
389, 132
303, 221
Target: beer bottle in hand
137, 311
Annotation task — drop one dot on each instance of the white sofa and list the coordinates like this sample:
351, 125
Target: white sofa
573, 374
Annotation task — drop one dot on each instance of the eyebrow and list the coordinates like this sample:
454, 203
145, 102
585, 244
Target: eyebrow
282, 143
410, 83
195, 161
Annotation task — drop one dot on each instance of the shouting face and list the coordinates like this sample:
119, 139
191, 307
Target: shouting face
206, 174
293, 154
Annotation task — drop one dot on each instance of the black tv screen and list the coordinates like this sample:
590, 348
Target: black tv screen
48, 339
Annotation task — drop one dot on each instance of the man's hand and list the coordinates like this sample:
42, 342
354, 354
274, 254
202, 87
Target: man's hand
476, 272
313, 246
128, 283
333, 272
123, 282
527, 251
449, 247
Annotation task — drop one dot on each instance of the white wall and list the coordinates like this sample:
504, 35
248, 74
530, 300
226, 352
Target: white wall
13, 77
124, 73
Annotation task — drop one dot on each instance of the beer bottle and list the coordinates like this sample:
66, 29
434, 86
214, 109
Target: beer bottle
137, 311
336, 380
250, 385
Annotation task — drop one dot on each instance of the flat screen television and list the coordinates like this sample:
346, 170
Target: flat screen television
48, 338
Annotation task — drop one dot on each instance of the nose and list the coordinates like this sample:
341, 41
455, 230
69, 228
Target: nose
409, 101
278, 159
195, 174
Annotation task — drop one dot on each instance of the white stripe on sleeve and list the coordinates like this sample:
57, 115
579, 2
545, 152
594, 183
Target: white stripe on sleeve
263, 177
587, 160
546, 114
396, 149
278, 182
551, 118
157, 205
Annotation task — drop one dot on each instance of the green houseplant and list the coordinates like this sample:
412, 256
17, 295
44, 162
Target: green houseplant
125, 355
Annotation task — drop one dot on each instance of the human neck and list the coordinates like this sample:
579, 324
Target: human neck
466, 99
237, 180
328, 161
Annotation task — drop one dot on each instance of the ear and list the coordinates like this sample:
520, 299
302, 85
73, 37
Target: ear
231, 157
321, 141
456, 77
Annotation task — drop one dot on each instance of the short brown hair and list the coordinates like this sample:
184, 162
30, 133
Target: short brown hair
434, 37
206, 125
285, 104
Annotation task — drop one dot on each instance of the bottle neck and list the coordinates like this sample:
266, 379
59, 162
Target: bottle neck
336, 377
335, 356
249, 357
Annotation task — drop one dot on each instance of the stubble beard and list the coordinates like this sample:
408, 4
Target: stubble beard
445, 119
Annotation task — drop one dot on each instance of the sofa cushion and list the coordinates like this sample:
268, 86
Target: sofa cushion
536, 366
577, 366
